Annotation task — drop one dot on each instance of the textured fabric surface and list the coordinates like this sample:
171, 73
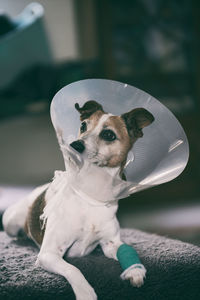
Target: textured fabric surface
173, 271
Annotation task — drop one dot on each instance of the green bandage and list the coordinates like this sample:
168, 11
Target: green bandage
127, 256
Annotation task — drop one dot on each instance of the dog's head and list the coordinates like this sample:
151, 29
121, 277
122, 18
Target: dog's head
106, 139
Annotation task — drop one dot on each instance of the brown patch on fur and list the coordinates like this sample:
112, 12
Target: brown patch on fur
33, 225
119, 125
125, 143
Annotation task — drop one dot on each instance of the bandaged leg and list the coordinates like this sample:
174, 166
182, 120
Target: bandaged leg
128, 259
131, 264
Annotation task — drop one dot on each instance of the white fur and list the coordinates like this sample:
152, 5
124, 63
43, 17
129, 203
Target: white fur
80, 213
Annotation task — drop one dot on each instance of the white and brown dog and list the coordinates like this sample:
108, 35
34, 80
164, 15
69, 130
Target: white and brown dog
77, 210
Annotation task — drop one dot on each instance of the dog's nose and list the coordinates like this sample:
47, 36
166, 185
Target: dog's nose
78, 146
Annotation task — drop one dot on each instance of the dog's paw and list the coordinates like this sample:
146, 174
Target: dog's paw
86, 293
135, 275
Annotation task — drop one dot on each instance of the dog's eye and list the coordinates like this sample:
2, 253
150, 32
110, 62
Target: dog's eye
83, 127
108, 135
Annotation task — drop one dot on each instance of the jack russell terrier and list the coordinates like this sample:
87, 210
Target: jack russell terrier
77, 210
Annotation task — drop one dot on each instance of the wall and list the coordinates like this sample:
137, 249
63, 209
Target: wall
60, 24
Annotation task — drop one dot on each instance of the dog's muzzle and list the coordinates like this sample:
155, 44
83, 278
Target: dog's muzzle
78, 146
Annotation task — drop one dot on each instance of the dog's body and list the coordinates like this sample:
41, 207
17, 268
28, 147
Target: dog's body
77, 211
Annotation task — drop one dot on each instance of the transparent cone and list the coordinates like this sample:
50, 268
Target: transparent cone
158, 157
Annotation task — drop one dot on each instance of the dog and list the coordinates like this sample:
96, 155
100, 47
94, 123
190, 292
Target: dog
77, 210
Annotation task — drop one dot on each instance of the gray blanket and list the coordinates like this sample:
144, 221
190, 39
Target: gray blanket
173, 271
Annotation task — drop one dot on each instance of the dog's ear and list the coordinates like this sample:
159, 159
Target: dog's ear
136, 120
88, 109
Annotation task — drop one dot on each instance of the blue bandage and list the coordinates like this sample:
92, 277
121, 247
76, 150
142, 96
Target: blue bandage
127, 256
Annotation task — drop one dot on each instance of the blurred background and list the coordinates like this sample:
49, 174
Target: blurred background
151, 44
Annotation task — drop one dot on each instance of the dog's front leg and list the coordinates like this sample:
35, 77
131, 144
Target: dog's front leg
54, 263
128, 259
